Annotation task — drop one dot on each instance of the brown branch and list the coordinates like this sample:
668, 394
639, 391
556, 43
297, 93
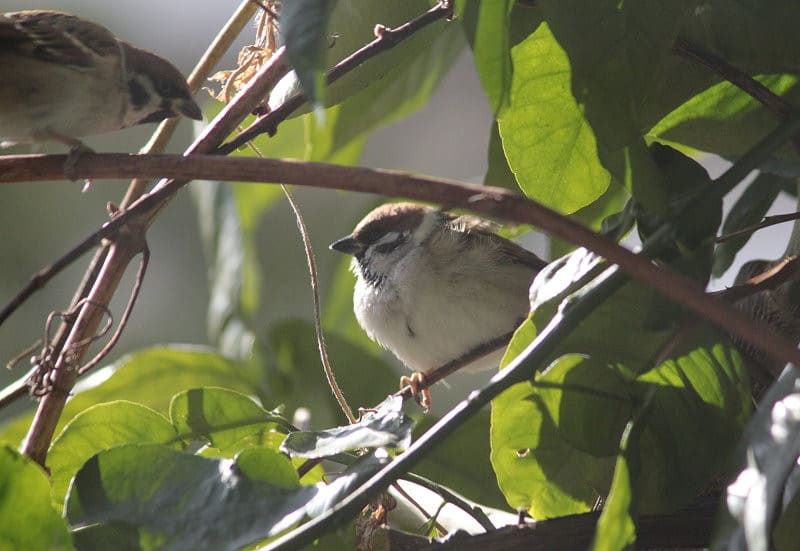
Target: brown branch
766, 222
386, 39
741, 80
488, 201
687, 529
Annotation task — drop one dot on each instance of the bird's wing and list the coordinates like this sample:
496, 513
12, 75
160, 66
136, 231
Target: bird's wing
481, 229
56, 37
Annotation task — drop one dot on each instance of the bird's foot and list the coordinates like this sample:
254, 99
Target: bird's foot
419, 389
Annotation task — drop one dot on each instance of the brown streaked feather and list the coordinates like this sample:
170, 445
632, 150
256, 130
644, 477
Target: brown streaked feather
56, 37
484, 230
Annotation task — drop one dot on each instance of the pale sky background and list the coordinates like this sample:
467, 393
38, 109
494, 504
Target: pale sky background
57, 216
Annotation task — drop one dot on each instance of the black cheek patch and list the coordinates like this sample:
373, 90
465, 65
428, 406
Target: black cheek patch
139, 96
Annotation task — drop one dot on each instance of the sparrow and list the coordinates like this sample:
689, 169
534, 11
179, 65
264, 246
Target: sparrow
65, 77
433, 286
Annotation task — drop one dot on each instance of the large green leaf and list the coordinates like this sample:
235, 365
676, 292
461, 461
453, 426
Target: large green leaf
554, 438
162, 498
28, 520
99, 428
182, 500
151, 377
725, 120
550, 146
625, 77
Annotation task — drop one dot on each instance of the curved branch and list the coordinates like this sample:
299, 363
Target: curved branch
487, 201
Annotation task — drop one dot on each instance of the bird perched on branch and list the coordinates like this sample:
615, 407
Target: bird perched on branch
433, 286
65, 77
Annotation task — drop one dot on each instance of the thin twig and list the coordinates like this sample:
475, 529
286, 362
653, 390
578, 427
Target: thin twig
126, 314
766, 222
386, 40
436, 374
314, 280
420, 508
472, 510
199, 75
312, 272
741, 80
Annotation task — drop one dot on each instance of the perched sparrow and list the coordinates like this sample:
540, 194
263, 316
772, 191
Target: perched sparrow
433, 286
64, 77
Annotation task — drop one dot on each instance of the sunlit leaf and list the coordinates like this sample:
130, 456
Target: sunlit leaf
27, 517
102, 427
386, 426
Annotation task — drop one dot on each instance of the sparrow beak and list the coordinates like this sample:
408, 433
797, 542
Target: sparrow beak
348, 245
188, 108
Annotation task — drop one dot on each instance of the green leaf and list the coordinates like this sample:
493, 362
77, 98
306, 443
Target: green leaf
303, 28
486, 25
700, 404
99, 428
616, 528
756, 37
267, 465
163, 498
550, 147
386, 426
575, 388
223, 417
401, 70
151, 377
183, 500
725, 120
749, 210
27, 517
536, 468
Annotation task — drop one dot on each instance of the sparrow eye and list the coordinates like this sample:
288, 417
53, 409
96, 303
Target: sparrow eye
390, 241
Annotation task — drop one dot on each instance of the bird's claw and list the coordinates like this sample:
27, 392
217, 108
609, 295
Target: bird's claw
419, 389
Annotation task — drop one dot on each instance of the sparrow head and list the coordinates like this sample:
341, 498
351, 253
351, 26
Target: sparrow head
386, 235
396, 232
156, 89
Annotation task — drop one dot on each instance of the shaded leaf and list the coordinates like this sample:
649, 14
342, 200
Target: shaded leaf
724, 120
461, 461
486, 25
386, 426
27, 517
182, 501
165, 499
303, 27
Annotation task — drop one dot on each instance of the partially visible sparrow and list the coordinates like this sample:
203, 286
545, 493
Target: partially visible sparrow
434, 286
64, 77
